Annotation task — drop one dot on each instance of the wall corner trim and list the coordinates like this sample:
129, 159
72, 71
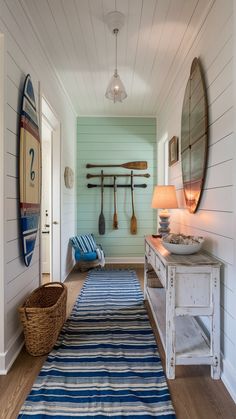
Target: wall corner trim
7, 358
69, 270
228, 376
138, 260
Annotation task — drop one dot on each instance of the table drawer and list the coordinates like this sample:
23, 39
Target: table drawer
160, 271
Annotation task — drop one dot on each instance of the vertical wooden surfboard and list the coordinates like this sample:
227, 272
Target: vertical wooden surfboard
29, 171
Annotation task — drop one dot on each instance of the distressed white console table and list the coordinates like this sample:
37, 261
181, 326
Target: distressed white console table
188, 286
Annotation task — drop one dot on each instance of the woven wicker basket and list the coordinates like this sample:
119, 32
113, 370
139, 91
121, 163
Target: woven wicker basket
43, 315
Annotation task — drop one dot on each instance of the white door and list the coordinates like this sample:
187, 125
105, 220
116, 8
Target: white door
46, 198
51, 214
56, 205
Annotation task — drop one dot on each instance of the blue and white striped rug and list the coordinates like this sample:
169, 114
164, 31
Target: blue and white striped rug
105, 363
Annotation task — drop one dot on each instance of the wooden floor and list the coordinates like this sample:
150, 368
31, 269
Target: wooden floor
194, 394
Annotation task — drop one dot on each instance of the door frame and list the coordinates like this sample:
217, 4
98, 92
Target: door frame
51, 119
2, 193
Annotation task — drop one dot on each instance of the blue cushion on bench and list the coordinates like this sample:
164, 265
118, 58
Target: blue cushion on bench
88, 257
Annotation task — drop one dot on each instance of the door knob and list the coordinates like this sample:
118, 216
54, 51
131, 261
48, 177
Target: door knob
55, 222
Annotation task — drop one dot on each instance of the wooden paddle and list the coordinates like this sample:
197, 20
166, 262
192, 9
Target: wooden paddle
115, 217
101, 220
139, 185
147, 175
137, 165
133, 221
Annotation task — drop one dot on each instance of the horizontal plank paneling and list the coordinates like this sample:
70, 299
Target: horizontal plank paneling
24, 54
116, 145
120, 129
214, 176
97, 122
228, 277
18, 300
11, 165
223, 101
215, 218
12, 120
222, 127
116, 141
222, 81
12, 95
219, 246
16, 267
11, 187
12, 143
215, 199
142, 205
121, 154
221, 151
228, 302
12, 209
211, 221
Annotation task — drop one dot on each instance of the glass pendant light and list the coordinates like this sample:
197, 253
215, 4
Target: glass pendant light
116, 89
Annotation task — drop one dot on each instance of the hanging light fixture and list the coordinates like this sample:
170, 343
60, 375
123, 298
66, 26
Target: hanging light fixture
115, 89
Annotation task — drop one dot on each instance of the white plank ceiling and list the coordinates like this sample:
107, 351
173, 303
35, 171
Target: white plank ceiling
80, 47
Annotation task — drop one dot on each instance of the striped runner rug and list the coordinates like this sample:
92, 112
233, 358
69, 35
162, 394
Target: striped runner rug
105, 362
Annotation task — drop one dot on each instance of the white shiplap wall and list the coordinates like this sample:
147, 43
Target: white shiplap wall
24, 54
215, 218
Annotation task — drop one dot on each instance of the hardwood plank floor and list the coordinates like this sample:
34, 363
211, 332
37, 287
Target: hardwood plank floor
195, 395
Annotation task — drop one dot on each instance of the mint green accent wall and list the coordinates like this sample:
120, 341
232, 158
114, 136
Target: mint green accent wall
115, 141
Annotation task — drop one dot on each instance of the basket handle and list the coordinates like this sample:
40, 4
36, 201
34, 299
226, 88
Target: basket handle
49, 284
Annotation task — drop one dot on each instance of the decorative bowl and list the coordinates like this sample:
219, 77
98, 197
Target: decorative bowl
182, 245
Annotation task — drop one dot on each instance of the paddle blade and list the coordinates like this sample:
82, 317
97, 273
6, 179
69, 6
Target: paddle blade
115, 222
133, 225
136, 165
101, 224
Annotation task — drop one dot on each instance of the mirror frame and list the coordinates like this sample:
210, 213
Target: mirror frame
194, 137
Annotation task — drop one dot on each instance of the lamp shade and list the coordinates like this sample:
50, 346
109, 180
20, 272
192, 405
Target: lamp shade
164, 196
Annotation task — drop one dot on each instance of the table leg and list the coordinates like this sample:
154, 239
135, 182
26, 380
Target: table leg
215, 325
170, 324
145, 276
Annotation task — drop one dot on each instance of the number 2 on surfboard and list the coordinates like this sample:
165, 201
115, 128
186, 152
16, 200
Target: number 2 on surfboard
32, 172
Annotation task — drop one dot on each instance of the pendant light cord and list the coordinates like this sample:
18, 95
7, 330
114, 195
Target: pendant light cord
115, 31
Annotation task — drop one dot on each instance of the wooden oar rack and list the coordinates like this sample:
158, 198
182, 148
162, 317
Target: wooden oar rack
136, 165
91, 185
89, 176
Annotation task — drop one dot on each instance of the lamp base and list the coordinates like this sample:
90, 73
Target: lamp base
164, 222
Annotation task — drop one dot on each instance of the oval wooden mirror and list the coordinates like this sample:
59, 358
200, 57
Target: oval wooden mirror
194, 137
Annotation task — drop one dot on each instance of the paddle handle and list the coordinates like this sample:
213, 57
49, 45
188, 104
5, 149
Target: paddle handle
137, 165
102, 190
132, 191
92, 185
115, 217
101, 221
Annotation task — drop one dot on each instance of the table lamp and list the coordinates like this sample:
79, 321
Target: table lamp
164, 197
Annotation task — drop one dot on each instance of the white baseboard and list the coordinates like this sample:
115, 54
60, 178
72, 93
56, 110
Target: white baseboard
69, 269
125, 260
228, 376
7, 358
